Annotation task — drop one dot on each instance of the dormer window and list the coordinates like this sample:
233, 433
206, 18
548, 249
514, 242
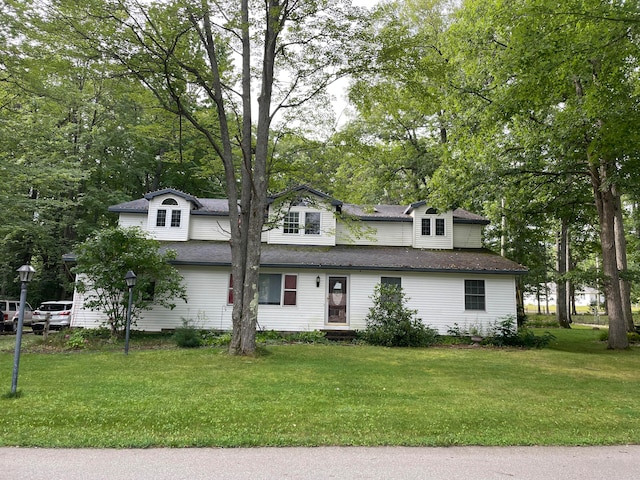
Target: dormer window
312, 223
161, 216
175, 218
292, 223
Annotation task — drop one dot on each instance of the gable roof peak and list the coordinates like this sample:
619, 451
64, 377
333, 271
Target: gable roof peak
304, 188
173, 191
415, 205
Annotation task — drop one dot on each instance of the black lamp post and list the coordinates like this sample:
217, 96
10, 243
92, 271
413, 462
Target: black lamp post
26, 275
130, 278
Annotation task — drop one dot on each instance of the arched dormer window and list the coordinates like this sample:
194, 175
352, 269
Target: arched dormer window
161, 218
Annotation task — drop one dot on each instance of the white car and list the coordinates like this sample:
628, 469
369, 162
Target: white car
59, 313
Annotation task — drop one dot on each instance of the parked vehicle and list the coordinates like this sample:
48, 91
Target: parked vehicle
59, 315
10, 310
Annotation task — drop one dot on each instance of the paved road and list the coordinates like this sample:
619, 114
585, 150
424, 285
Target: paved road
388, 463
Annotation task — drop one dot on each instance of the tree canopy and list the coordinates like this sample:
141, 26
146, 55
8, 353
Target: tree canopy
525, 111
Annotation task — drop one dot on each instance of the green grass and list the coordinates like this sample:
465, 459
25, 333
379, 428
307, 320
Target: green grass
574, 392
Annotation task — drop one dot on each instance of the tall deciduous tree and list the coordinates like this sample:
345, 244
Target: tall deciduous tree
76, 136
229, 68
567, 73
402, 122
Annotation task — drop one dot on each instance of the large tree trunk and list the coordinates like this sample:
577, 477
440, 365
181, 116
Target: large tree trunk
562, 299
606, 205
254, 175
567, 283
621, 257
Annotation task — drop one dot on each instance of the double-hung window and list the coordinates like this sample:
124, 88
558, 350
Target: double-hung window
394, 286
161, 218
292, 223
440, 226
312, 223
426, 227
175, 218
474, 295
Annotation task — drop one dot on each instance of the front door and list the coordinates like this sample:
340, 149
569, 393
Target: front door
337, 302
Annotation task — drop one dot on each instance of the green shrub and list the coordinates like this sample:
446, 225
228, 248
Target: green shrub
217, 339
76, 340
457, 331
268, 336
542, 321
505, 334
390, 323
634, 337
314, 336
187, 336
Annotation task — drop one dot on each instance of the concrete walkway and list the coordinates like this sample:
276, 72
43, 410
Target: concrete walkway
385, 463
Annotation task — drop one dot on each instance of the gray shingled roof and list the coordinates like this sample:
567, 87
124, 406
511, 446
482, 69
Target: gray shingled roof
220, 207
351, 257
207, 206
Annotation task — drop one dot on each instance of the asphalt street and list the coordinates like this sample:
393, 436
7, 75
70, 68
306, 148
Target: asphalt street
388, 463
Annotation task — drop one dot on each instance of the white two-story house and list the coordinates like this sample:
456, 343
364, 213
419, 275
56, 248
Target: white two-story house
321, 260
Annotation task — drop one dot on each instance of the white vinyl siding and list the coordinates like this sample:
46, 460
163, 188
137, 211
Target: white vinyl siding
127, 220
375, 233
209, 227
467, 235
441, 231
438, 297
176, 225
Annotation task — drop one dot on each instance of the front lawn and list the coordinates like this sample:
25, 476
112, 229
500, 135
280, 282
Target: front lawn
574, 392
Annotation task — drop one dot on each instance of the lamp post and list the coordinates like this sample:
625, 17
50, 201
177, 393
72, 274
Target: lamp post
130, 278
26, 275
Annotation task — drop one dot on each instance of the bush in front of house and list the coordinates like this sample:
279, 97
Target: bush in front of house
391, 323
505, 334
187, 336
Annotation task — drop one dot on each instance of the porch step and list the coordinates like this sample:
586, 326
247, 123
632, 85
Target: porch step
340, 335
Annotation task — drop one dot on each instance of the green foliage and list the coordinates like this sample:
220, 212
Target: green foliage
104, 259
540, 321
188, 336
76, 340
633, 337
314, 336
217, 339
267, 336
390, 323
505, 334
